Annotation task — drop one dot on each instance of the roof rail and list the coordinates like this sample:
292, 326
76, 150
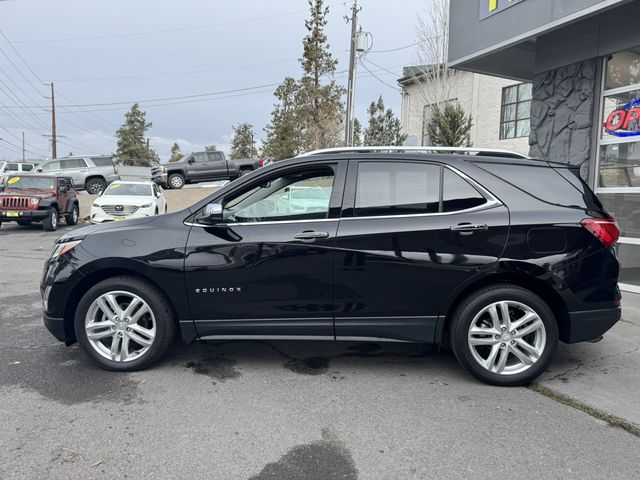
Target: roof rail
482, 152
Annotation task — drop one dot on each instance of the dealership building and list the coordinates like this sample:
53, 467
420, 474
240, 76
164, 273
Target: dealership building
583, 60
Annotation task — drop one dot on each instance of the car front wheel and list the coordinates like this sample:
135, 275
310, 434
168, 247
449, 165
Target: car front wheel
124, 324
176, 181
50, 224
504, 336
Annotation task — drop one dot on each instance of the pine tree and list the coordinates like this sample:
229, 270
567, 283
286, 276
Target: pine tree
283, 131
384, 128
450, 127
357, 133
210, 148
319, 103
176, 154
243, 144
132, 147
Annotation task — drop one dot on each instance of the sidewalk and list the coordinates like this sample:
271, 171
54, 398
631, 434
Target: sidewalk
605, 375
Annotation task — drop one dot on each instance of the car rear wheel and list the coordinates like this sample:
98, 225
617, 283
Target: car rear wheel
176, 181
50, 224
95, 186
244, 172
72, 218
124, 324
504, 336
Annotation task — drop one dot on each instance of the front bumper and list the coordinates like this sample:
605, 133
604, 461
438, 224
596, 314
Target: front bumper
591, 324
99, 216
34, 215
56, 327
160, 179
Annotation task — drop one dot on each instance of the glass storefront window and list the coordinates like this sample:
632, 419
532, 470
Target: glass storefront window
625, 208
620, 165
623, 69
618, 121
629, 257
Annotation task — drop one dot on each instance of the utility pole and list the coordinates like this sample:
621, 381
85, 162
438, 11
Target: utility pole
23, 154
54, 141
351, 88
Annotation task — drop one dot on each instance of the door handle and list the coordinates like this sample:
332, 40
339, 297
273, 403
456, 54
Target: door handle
469, 228
310, 235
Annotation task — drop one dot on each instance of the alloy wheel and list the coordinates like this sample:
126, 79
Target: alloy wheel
507, 337
120, 326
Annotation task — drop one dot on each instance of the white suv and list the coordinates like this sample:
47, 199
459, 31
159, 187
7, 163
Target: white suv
12, 167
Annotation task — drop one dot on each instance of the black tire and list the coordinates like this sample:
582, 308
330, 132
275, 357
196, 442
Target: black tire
159, 305
96, 185
474, 304
244, 172
175, 181
72, 218
50, 224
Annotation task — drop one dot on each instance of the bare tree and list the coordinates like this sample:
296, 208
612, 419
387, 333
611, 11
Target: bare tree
437, 82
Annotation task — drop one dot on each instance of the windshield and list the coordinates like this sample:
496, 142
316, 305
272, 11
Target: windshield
25, 183
134, 189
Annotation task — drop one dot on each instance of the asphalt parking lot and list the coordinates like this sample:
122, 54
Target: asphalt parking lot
316, 411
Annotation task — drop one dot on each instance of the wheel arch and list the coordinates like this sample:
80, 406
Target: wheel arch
92, 279
528, 282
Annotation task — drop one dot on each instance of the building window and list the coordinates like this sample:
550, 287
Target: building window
516, 111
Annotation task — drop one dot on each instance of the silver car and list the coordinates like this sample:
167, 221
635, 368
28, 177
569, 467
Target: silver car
92, 174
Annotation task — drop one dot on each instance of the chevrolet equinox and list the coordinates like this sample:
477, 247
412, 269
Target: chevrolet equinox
498, 256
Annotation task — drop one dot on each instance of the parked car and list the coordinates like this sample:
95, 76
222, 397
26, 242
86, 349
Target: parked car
499, 258
202, 167
92, 174
29, 198
15, 167
123, 200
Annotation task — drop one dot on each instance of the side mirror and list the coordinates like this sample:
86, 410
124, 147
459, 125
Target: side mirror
212, 214
39, 170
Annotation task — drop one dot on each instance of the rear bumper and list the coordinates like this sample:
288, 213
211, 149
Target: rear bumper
23, 215
591, 324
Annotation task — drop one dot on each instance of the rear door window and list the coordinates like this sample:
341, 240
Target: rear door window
458, 194
73, 163
27, 167
397, 189
215, 156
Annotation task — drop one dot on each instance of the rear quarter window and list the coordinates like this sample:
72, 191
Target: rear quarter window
543, 183
102, 161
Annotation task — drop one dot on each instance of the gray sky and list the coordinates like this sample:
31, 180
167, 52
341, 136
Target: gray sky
124, 51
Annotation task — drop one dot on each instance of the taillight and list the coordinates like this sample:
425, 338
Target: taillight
605, 229
262, 162
115, 169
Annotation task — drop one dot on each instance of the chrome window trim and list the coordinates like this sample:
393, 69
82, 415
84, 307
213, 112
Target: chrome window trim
274, 222
490, 204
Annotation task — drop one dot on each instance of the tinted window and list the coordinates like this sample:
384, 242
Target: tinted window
458, 194
200, 157
27, 168
214, 156
102, 161
397, 189
73, 163
11, 167
275, 200
542, 182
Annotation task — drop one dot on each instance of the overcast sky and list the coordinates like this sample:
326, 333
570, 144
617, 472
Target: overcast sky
119, 51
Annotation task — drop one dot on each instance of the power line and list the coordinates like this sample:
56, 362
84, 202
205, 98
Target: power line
376, 77
171, 30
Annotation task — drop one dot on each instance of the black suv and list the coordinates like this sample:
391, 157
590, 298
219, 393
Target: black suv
500, 258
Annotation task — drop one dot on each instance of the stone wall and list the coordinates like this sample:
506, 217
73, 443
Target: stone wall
562, 110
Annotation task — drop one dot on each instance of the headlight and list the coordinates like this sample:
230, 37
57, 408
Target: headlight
64, 247
163, 170
146, 205
35, 201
